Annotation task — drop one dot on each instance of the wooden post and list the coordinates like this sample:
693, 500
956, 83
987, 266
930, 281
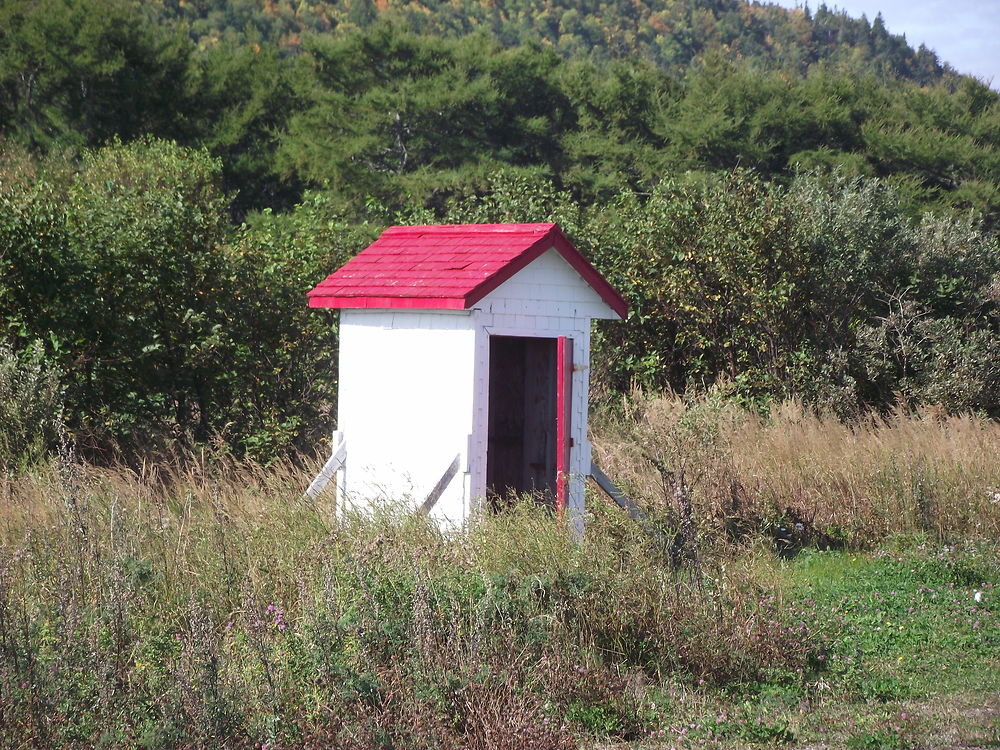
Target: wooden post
329, 470
564, 412
441, 486
624, 501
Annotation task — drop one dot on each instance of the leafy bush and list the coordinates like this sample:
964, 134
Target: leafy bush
822, 289
31, 407
171, 326
184, 330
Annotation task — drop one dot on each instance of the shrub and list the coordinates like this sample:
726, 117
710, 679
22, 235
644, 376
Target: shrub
30, 405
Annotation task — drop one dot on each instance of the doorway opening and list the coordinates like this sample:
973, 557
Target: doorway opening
528, 424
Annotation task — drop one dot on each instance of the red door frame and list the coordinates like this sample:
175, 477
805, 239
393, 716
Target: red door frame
564, 410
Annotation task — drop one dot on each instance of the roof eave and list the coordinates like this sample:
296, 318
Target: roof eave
386, 303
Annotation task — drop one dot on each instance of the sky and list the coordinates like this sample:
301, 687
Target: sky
963, 33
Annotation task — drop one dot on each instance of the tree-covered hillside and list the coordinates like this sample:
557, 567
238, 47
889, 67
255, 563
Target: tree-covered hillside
797, 204
389, 114
669, 33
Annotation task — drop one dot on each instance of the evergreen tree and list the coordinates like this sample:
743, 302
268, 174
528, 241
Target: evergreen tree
80, 72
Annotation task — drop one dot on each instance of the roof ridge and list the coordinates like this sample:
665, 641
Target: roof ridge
474, 228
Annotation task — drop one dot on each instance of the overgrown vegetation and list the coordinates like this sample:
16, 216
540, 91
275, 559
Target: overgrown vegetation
184, 330
209, 605
801, 211
796, 203
31, 406
808, 480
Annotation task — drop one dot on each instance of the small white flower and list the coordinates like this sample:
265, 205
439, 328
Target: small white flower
978, 596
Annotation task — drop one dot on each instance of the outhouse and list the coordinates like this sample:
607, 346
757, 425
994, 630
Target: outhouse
464, 367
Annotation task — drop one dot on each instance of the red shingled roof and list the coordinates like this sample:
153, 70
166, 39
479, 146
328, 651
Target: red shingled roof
449, 267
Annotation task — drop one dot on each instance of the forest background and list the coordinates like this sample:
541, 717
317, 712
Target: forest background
795, 203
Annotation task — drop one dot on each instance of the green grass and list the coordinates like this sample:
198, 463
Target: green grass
910, 659
212, 606
906, 623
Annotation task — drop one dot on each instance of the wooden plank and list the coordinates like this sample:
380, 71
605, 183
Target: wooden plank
441, 486
612, 491
329, 470
538, 457
506, 430
624, 501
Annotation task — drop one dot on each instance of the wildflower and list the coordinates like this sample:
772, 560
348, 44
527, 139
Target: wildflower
978, 596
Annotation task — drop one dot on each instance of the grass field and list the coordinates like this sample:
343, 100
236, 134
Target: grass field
812, 585
912, 658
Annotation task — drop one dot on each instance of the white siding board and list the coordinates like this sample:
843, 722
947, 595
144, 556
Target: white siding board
529, 306
405, 406
481, 398
548, 283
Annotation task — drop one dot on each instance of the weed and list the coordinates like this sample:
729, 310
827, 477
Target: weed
219, 608
745, 722
808, 480
208, 605
877, 740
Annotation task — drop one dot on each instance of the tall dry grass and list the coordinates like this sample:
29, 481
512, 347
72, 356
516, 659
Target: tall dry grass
207, 604
211, 606
850, 484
